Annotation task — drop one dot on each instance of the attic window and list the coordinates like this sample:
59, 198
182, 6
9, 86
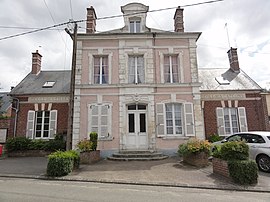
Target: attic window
135, 26
48, 84
222, 81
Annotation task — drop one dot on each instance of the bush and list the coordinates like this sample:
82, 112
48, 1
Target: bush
243, 172
94, 140
85, 145
62, 163
234, 151
194, 146
18, 144
37, 144
215, 138
55, 145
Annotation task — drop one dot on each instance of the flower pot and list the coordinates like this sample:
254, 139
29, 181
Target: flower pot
196, 159
89, 157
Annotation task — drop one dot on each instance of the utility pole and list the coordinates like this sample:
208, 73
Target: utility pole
72, 87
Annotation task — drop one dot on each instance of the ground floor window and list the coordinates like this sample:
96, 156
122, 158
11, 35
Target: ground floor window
231, 120
175, 119
41, 124
100, 120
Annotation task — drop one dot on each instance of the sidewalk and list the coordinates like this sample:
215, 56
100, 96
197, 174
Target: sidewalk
168, 172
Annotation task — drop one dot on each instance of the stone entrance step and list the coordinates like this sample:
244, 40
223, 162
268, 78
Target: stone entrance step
137, 155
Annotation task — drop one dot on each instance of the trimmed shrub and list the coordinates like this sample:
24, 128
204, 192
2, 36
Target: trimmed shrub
243, 172
234, 151
193, 146
93, 140
215, 138
62, 163
18, 144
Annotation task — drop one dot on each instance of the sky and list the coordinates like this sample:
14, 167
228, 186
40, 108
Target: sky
242, 24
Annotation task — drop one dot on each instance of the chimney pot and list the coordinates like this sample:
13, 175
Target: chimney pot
233, 59
36, 62
179, 20
91, 20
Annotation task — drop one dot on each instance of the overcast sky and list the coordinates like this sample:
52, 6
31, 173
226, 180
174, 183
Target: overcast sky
248, 28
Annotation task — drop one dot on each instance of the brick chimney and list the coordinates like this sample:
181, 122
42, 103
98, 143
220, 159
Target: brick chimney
233, 59
179, 20
91, 20
36, 62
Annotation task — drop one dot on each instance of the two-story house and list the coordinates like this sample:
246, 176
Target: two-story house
136, 86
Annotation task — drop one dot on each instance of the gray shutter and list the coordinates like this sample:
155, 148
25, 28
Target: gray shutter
160, 120
220, 121
242, 119
189, 120
30, 124
53, 123
94, 111
104, 121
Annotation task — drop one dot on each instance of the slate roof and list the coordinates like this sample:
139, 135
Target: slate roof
5, 101
33, 84
209, 78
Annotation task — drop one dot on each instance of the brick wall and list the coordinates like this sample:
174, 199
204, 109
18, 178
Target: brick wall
62, 117
255, 114
220, 167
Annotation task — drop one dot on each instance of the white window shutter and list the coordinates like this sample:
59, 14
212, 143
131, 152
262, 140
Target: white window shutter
30, 124
189, 119
220, 121
104, 121
94, 112
242, 119
53, 123
160, 120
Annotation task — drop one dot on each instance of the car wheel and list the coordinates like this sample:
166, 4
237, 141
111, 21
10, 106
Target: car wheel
263, 162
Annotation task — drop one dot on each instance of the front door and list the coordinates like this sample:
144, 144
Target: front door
137, 127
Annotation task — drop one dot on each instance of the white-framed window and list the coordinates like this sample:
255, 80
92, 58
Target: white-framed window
101, 70
175, 119
136, 69
41, 124
100, 120
135, 26
231, 120
171, 74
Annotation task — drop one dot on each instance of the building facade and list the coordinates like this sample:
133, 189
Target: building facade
231, 101
137, 87
40, 103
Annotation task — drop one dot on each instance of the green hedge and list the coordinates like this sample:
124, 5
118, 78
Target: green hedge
232, 151
62, 163
215, 138
94, 140
23, 144
243, 172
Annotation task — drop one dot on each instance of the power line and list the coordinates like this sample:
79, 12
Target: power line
102, 18
18, 27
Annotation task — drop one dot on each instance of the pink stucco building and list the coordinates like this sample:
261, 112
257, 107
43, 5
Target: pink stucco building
137, 86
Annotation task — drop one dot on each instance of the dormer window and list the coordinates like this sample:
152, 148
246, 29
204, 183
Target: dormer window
135, 26
48, 84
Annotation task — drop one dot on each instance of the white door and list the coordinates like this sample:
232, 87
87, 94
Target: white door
137, 127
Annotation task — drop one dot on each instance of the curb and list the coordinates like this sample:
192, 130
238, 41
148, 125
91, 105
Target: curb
123, 182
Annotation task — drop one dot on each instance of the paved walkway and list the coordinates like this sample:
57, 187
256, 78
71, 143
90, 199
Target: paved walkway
168, 172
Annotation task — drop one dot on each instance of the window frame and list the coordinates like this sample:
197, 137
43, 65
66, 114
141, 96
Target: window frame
100, 68
136, 74
173, 119
134, 25
170, 65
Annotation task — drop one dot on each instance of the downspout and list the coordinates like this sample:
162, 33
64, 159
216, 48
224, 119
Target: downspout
16, 116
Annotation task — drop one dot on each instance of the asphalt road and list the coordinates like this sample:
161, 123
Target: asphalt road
30, 190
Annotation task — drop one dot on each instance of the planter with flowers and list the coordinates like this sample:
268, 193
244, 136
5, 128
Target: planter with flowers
195, 152
88, 149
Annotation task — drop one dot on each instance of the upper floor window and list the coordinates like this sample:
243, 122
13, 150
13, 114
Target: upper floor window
171, 69
101, 70
135, 26
135, 69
